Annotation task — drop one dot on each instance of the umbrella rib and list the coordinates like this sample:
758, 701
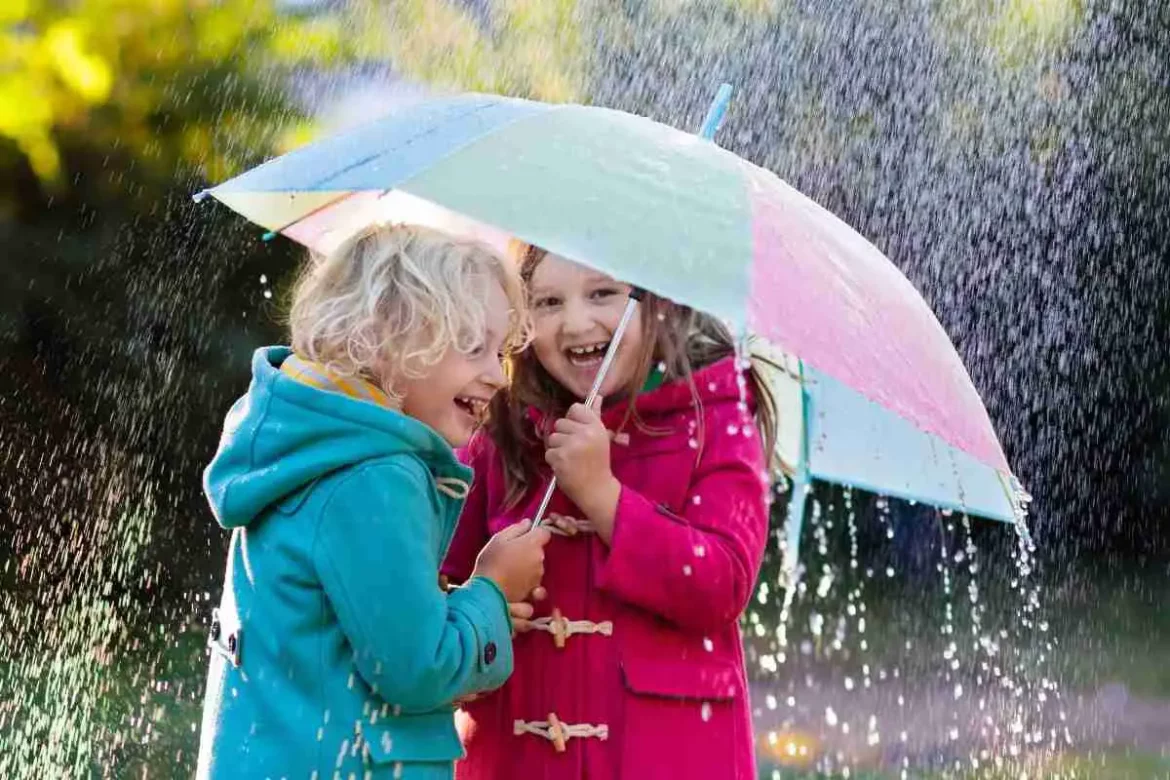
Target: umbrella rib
430, 130
321, 184
330, 204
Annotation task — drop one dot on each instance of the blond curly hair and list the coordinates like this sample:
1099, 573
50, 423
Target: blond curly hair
391, 300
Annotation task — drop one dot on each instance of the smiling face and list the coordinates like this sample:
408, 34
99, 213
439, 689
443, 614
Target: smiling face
575, 312
452, 396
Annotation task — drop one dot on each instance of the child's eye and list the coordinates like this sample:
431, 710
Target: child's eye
604, 292
547, 302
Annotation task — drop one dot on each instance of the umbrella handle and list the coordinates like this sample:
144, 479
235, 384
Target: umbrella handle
636, 294
710, 126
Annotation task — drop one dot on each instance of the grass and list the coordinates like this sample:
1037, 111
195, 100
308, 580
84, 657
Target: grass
1116, 765
1113, 628
1110, 765
1107, 625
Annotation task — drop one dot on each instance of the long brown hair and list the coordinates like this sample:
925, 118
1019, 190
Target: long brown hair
678, 339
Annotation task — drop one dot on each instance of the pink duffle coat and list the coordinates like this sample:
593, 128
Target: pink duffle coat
650, 681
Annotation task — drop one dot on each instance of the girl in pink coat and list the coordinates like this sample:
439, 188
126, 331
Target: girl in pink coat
629, 663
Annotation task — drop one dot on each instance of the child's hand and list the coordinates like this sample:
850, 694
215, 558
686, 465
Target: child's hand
514, 560
521, 613
578, 452
569, 526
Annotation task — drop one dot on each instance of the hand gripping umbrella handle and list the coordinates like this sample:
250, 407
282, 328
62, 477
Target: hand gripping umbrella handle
636, 294
710, 126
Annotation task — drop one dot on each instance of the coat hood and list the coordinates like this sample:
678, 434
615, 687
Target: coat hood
282, 435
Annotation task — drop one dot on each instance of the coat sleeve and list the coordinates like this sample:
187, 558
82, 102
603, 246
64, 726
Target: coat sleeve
416, 647
471, 534
695, 569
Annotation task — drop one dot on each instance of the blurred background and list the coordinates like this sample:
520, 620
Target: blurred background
1012, 157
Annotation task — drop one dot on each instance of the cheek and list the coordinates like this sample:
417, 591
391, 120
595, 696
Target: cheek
631, 345
428, 405
628, 354
544, 341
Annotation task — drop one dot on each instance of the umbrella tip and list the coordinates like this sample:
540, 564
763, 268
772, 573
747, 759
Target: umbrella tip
271, 234
716, 112
200, 196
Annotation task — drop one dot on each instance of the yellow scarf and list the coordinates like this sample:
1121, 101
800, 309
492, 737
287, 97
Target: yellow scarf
320, 376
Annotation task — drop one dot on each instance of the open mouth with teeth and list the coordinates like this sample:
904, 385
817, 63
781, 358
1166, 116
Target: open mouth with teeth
587, 354
475, 408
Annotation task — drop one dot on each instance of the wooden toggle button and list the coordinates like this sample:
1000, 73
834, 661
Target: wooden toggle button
557, 731
560, 628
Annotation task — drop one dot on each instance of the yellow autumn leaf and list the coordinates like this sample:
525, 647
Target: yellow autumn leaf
88, 75
297, 134
14, 11
22, 108
319, 40
1025, 29
41, 153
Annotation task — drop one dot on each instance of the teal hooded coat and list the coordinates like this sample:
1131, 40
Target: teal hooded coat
334, 652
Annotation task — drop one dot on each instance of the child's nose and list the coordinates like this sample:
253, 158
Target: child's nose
576, 319
496, 378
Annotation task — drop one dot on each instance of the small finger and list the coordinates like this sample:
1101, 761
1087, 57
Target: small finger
554, 458
565, 524
569, 424
520, 610
581, 414
515, 530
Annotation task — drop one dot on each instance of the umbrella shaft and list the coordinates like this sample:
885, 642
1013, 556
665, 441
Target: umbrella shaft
607, 361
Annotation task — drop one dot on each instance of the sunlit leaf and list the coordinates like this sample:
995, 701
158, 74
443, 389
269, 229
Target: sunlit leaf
14, 11
86, 73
